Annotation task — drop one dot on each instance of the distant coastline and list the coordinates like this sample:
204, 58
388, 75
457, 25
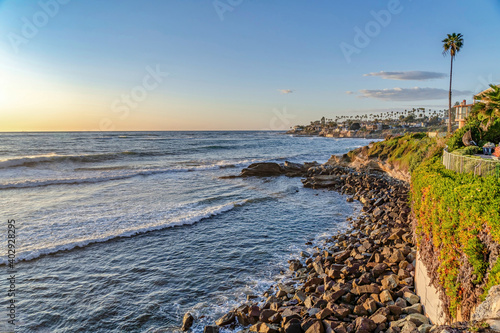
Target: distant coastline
356, 135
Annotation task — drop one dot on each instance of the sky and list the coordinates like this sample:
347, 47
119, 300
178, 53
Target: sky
73, 65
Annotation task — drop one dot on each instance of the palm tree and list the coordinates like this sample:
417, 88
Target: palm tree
452, 45
488, 105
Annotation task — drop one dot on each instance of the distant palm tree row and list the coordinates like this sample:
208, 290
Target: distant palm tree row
404, 116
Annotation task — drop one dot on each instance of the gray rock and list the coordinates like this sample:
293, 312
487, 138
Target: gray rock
411, 298
489, 310
416, 308
401, 303
424, 328
418, 319
390, 282
409, 327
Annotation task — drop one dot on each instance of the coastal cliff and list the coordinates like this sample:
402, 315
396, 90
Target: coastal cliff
364, 280
455, 222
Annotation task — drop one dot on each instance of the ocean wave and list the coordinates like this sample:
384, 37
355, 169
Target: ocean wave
189, 220
106, 178
32, 161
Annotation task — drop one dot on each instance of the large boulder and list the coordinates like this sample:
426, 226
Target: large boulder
264, 169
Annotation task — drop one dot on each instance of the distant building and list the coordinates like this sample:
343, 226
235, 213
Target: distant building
462, 111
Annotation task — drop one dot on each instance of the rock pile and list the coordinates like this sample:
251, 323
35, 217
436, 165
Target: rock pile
359, 281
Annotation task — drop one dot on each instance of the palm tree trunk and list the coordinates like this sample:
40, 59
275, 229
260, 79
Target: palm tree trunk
449, 97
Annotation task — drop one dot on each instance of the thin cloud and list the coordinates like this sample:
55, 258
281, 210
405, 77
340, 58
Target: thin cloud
285, 91
411, 94
409, 75
350, 92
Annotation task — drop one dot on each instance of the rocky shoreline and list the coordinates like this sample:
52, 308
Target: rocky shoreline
358, 281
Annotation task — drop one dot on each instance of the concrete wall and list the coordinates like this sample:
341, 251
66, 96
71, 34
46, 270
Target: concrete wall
429, 296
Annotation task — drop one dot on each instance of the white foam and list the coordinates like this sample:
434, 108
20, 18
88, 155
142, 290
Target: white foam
110, 175
185, 220
20, 161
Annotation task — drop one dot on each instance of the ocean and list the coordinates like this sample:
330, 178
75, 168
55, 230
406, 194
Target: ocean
125, 232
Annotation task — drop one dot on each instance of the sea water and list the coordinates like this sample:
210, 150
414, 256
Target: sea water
125, 232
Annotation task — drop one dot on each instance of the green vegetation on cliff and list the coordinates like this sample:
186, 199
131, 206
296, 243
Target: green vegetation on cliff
457, 223
405, 152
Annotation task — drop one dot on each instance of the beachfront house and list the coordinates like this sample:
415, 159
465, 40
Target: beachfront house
462, 111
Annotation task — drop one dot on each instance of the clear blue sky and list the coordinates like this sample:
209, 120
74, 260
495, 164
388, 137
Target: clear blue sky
233, 64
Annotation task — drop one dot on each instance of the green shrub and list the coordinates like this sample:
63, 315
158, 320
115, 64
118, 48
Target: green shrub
452, 209
407, 151
493, 133
471, 150
455, 141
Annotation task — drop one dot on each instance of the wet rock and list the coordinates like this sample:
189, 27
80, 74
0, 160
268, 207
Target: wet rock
295, 265
264, 169
227, 319
187, 321
211, 329
241, 315
286, 289
265, 315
